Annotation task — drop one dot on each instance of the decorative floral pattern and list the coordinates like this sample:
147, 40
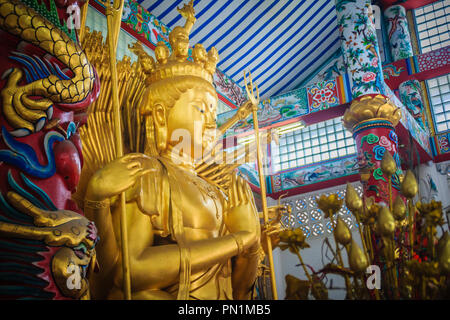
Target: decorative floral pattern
378, 174
373, 143
379, 152
398, 32
370, 139
444, 144
322, 95
384, 142
393, 136
360, 46
434, 59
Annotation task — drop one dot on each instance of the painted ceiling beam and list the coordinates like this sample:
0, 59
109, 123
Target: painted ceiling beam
408, 4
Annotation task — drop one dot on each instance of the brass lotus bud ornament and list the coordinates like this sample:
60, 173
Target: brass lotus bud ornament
399, 209
357, 259
386, 222
409, 185
329, 204
352, 199
388, 165
342, 232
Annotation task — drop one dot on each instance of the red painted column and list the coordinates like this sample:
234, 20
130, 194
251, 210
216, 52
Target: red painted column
375, 137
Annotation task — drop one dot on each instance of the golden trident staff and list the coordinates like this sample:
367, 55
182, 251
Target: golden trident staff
262, 181
113, 18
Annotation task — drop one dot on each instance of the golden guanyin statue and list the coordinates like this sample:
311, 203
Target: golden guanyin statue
189, 237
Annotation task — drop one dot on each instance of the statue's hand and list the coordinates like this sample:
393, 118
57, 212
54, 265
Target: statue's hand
117, 176
60, 227
240, 212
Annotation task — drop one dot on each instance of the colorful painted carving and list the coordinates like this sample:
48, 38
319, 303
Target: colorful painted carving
294, 104
46, 244
144, 23
322, 96
407, 120
306, 175
360, 46
410, 95
372, 119
424, 66
398, 32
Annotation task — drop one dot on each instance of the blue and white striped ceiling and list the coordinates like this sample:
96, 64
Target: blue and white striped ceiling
280, 41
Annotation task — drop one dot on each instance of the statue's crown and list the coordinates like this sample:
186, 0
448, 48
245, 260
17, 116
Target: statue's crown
176, 64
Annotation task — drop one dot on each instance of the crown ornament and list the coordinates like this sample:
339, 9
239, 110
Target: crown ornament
176, 63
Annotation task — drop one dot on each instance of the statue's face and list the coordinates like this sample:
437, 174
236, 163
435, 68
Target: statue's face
191, 122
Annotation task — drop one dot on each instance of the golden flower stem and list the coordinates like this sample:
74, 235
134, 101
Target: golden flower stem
386, 252
363, 240
304, 269
390, 193
411, 223
390, 257
423, 288
394, 269
341, 261
369, 241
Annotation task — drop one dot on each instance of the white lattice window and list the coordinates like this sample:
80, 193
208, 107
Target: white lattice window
439, 93
433, 25
307, 216
315, 143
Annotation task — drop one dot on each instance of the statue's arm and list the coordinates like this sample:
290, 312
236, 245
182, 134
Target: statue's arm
245, 265
159, 266
242, 215
116, 177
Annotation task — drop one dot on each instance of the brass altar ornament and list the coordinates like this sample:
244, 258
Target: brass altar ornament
370, 213
388, 165
294, 237
409, 186
352, 200
399, 209
357, 259
342, 232
385, 222
431, 212
329, 204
